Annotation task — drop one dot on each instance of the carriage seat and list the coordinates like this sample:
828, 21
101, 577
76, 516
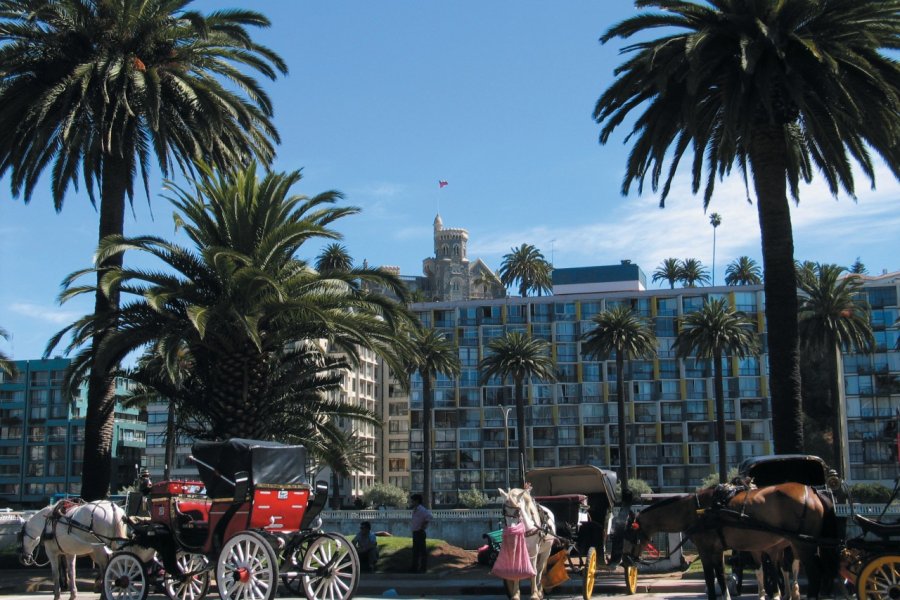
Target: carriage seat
567, 507
882, 530
192, 513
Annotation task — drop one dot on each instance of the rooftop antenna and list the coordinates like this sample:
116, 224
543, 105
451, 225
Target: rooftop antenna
553, 241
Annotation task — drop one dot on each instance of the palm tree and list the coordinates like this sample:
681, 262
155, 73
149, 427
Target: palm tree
106, 87
346, 454
743, 271
669, 270
619, 332
715, 219
526, 266
833, 317
713, 332
6, 364
693, 272
267, 336
778, 88
334, 257
430, 354
520, 357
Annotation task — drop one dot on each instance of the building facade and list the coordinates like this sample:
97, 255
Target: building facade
42, 435
670, 404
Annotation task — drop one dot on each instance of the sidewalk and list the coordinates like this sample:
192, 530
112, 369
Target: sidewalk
467, 582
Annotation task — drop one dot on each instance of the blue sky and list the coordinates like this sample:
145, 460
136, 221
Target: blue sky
385, 98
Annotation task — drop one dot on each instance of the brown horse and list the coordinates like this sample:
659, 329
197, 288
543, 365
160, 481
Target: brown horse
761, 520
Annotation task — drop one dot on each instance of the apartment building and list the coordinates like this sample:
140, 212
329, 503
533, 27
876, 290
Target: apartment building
42, 435
669, 401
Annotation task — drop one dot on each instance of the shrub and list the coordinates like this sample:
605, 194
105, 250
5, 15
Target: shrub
473, 498
869, 493
385, 494
712, 479
637, 487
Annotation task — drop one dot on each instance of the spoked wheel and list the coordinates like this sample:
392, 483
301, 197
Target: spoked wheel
247, 568
293, 562
880, 579
330, 568
631, 574
125, 578
194, 587
590, 573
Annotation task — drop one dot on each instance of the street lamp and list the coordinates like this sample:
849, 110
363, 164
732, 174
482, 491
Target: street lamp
505, 410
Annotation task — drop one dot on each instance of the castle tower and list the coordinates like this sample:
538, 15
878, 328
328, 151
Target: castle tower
449, 272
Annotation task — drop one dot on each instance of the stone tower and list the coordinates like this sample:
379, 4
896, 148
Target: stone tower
451, 276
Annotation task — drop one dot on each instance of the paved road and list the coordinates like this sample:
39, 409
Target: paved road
678, 596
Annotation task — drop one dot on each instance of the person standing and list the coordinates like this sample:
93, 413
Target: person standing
421, 517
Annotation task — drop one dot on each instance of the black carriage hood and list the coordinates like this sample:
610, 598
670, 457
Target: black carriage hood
267, 463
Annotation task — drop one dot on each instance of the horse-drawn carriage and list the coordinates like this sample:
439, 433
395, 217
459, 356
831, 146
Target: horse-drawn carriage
251, 516
581, 499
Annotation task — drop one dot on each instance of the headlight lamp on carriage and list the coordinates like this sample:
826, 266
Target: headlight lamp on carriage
316, 524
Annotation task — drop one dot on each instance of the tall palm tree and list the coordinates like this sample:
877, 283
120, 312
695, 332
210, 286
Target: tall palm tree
346, 454
834, 317
715, 219
6, 364
108, 87
778, 88
618, 332
260, 328
334, 257
743, 271
714, 332
526, 266
668, 270
521, 358
430, 354
693, 272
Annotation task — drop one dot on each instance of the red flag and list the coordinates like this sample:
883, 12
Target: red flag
442, 183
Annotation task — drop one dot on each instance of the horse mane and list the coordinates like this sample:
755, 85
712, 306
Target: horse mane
665, 502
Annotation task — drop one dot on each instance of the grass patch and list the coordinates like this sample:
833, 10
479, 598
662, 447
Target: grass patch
395, 554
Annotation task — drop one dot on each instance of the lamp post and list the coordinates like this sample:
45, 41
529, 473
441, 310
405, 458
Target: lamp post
505, 410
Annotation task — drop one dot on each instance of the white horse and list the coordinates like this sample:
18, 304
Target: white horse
540, 529
73, 530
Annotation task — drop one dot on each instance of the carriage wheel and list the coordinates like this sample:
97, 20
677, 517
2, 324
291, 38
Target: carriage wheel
125, 578
292, 562
590, 573
192, 588
631, 573
330, 568
880, 579
247, 568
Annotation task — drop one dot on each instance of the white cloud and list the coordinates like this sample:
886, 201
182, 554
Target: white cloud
636, 228
413, 233
50, 314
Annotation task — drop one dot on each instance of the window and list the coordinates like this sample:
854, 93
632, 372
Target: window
396, 464
398, 445
40, 378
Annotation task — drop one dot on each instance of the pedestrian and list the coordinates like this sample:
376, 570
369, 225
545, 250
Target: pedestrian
366, 547
421, 517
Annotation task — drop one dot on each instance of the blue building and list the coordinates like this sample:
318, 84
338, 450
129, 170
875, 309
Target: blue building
42, 435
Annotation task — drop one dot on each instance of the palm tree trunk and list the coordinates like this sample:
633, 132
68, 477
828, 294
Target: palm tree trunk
99, 420
768, 157
623, 447
427, 409
839, 412
720, 416
170, 442
520, 426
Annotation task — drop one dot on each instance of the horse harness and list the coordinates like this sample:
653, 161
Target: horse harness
515, 512
57, 516
720, 515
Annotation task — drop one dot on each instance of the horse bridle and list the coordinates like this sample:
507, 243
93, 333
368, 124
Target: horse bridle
28, 559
